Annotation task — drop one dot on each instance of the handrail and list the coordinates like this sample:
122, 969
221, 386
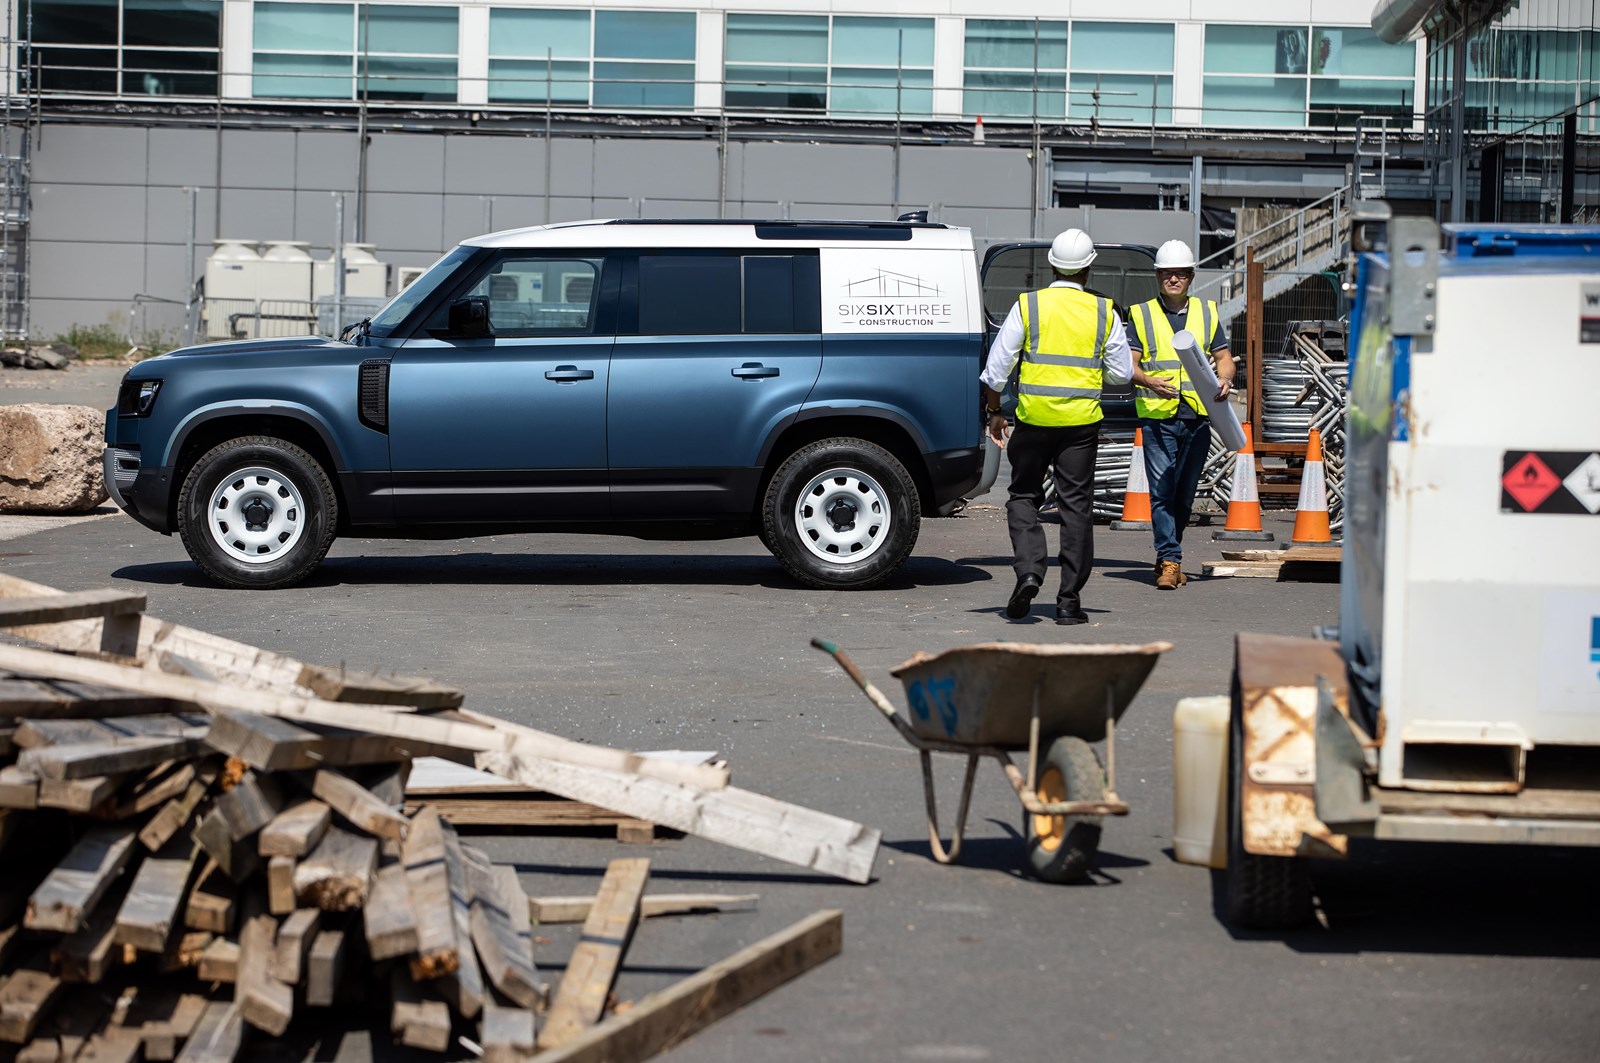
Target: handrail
1254, 237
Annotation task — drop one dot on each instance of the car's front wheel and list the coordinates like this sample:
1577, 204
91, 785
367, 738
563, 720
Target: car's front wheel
841, 514
257, 512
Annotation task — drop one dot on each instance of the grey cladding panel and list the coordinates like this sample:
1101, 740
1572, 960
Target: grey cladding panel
89, 270
110, 214
827, 173
572, 172
401, 222
326, 161
256, 214
493, 166
257, 158
969, 177
90, 154
656, 169
167, 215
165, 276
314, 216
405, 162
181, 157
53, 316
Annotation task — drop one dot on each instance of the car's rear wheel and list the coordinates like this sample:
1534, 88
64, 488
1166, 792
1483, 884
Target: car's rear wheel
841, 513
257, 512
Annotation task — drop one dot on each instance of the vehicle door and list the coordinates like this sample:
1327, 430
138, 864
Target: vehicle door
716, 351
511, 425
1124, 273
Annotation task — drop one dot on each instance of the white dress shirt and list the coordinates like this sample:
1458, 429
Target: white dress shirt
1008, 347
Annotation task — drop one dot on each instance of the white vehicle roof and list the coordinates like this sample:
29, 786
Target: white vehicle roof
744, 233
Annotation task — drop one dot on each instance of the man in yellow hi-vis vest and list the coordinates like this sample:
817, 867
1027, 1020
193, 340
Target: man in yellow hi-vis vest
1070, 342
1177, 431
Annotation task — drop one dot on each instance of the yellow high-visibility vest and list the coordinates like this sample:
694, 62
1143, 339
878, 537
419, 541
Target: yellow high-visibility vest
1161, 360
1063, 355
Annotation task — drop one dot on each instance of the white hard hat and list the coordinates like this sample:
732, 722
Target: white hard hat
1174, 254
1071, 251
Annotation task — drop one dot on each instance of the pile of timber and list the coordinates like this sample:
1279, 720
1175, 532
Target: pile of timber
203, 843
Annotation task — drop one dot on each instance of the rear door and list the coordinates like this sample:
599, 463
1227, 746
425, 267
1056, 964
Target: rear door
510, 427
1124, 273
715, 352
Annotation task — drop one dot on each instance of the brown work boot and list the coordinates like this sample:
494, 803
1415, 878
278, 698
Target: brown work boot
1169, 575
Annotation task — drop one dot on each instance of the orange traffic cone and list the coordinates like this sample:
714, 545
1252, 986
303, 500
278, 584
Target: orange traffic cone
1136, 498
1311, 514
1244, 501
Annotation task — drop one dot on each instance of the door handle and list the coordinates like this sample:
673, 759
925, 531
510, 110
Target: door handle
569, 373
753, 370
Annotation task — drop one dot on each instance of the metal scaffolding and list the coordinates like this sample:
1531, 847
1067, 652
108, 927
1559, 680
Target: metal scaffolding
16, 135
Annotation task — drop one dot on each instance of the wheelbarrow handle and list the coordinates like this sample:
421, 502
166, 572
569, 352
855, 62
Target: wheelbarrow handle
873, 694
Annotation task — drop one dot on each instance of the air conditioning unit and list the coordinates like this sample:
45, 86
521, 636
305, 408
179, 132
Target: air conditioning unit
404, 275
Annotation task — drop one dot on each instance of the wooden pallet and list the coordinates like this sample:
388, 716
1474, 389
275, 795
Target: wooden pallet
1300, 564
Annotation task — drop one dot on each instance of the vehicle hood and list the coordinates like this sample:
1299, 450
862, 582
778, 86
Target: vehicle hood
277, 346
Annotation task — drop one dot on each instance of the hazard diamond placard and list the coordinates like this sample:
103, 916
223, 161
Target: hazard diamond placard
1550, 482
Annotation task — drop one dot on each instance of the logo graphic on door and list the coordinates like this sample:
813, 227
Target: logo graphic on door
904, 291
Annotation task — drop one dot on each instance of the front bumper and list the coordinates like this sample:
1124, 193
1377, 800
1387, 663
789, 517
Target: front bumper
144, 494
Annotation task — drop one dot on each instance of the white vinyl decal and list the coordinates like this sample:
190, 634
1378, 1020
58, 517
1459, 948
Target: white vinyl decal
1569, 674
894, 290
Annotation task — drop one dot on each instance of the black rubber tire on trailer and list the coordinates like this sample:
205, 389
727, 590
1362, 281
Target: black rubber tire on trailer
841, 514
257, 513
1260, 892
1063, 848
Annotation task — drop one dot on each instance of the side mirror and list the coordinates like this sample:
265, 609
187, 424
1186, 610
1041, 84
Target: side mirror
469, 319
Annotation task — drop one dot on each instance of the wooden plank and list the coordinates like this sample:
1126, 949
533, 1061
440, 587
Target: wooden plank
336, 876
280, 885
268, 743
355, 803
548, 911
294, 942
59, 699
220, 962
174, 815
416, 1021
506, 959
250, 805
264, 1002
580, 999
325, 967
507, 1034
18, 788
296, 830
428, 885
24, 999
36, 734
1293, 553
163, 784
211, 903
1242, 569
76, 885
78, 795
79, 762
154, 906
731, 816
219, 1038
390, 926
463, 987
185, 949
73, 605
664, 1019
514, 810
511, 894
336, 684
89, 954
237, 858
129, 728
113, 1045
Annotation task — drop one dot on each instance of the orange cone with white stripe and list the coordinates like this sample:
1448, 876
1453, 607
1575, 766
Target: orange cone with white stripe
1244, 500
1311, 514
1136, 498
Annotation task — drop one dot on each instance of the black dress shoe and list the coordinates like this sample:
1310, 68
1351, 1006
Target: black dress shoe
1071, 616
1022, 598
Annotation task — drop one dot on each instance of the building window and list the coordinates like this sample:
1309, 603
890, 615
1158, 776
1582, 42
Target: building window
1121, 72
160, 47
855, 66
1015, 68
644, 59
539, 56
1294, 76
777, 62
344, 51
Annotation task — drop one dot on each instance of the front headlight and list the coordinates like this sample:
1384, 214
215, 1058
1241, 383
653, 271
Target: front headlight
136, 398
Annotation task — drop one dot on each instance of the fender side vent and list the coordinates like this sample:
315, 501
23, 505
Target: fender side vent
374, 398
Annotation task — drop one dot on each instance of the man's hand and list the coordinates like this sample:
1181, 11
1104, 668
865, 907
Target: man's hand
1224, 389
1163, 388
997, 430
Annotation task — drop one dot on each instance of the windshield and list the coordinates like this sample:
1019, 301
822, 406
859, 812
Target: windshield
385, 321
1126, 274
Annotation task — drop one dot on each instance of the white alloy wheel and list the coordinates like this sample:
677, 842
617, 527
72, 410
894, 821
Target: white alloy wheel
256, 515
843, 516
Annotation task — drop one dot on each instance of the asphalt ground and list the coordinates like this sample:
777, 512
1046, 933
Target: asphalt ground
1446, 953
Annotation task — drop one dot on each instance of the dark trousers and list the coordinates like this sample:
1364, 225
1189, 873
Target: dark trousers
1066, 453
1175, 453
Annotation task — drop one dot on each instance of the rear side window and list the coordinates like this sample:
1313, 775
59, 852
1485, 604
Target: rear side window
728, 293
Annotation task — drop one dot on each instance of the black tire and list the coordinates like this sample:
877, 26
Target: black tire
863, 525
257, 513
1260, 892
1063, 848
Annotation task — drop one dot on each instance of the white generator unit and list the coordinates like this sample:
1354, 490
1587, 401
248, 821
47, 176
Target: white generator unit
230, 284
364, 276
285, 272
1462, 699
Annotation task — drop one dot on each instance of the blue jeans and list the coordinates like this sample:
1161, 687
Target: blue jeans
1174, 455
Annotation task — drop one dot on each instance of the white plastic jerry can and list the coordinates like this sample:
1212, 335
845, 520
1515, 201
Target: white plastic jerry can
1200, 781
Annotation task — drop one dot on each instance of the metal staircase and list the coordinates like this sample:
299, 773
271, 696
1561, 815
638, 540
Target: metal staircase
15, 139
1307, 241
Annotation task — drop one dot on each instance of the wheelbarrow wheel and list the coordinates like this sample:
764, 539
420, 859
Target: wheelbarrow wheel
1063, 848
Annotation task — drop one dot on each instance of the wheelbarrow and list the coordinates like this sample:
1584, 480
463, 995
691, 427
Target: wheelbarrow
996, 698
